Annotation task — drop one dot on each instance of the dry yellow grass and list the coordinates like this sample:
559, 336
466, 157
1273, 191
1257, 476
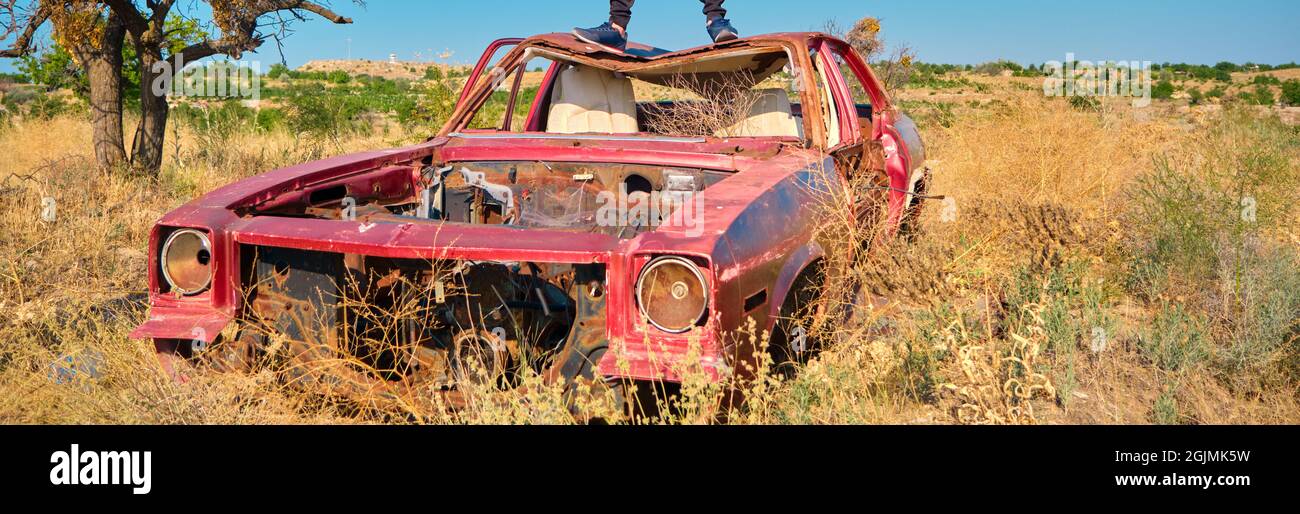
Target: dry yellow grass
1038, 187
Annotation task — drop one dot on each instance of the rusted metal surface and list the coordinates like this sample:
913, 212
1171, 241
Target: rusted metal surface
514, 211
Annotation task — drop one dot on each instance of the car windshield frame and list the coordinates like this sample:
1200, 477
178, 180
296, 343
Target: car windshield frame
507, 67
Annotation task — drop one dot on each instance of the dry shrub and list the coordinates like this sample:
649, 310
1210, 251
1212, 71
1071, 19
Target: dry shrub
892, 67
87, 371
998, 379
1030, 149
1033, 178
716, 106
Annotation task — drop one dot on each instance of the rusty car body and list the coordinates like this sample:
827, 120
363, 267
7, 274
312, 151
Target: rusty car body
483, 239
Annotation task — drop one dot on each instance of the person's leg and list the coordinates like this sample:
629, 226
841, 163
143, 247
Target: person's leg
713, 9
620, 13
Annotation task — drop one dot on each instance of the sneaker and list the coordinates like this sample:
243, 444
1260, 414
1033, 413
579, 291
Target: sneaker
720, 30
604, 36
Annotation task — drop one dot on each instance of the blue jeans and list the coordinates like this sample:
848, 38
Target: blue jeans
620, 11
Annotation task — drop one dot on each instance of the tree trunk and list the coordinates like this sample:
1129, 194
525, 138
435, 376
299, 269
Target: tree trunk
103, 66
147, 150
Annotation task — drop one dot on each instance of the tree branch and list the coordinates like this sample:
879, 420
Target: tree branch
245, 37
323, 12
159, 10
23, 45
135, 22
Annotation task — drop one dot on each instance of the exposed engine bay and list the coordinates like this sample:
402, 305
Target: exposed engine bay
561, 196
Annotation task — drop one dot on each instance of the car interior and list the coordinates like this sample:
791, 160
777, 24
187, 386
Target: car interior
752, 93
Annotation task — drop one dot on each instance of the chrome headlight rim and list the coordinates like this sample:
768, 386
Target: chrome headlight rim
205, 244
695, 271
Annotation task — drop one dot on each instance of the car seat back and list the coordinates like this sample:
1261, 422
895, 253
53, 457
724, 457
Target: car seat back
592, 100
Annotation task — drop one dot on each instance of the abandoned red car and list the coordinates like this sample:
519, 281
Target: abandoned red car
595, 225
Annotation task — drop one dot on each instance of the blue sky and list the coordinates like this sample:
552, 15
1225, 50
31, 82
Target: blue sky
948, 31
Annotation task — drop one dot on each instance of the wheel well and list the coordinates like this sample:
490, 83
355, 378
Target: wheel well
807, 283
794, 307
804, 286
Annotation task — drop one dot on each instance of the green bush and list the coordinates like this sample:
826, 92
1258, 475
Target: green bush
1263, 295
1262, 95
997, 67
1085, 103
48, 106
338, 77
1291, 92
220, 120
1163, 90
277, 70
1165, 411
312, 112
14, 78
270, 119
933, 81
1175, 232
1176, 340
1266, 80
56, 69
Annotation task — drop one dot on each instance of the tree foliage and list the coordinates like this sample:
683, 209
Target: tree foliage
124, 48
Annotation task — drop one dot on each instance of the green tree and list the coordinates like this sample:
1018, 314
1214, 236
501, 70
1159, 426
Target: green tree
56, 69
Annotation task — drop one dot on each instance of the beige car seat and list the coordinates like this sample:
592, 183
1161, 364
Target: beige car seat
770, 116
592, 100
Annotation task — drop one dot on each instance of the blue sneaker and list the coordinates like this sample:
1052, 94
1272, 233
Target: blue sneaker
721, 31
604, 36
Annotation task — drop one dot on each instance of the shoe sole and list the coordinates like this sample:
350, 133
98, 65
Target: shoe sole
603, 47
726, 36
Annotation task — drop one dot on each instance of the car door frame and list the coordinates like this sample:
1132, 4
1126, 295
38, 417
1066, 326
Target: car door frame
857, 153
